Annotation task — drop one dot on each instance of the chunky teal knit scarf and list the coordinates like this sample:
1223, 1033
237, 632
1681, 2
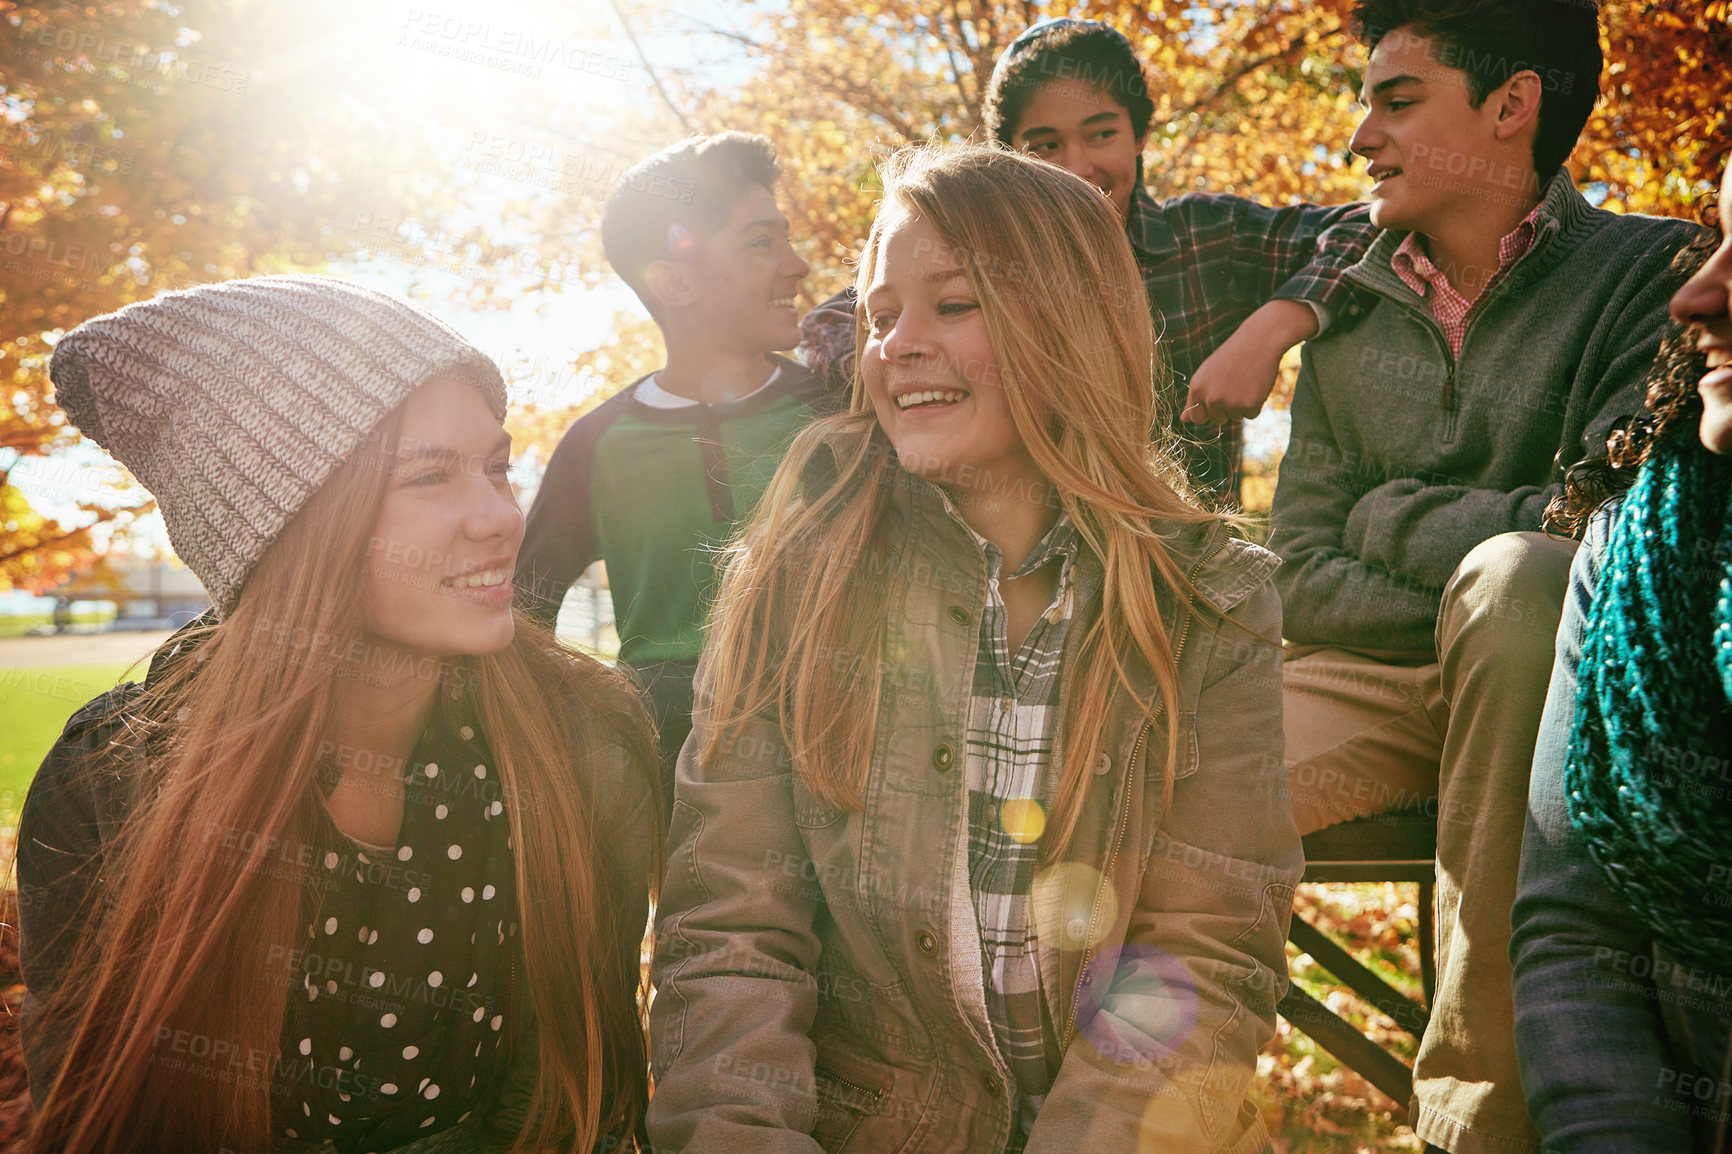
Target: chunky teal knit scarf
1649, 774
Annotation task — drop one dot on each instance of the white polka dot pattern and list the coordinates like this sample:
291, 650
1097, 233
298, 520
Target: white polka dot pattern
386, 943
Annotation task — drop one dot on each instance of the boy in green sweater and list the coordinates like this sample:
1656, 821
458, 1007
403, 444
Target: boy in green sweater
655, 480
1510, 326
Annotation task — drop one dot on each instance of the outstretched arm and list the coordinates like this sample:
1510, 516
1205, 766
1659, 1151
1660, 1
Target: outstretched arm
1288, 265
1209, 262
1237, 378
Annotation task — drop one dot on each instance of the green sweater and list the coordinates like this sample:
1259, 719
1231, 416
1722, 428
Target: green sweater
1404, 457
656, 494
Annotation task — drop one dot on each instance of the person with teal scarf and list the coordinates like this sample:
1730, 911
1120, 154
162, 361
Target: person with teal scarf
1622, 927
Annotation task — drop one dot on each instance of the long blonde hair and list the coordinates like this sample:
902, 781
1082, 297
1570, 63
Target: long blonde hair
798, 628
184, 938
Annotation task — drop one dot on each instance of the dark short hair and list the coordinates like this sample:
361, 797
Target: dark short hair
1492, 40
1081, 50
693, 185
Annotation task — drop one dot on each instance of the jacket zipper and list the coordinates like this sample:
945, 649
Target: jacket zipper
1435, 331
1185, 625
508, 1007
870, 1091
1429, 323
1124, 810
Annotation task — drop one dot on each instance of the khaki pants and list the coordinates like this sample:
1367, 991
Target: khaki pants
1372, 733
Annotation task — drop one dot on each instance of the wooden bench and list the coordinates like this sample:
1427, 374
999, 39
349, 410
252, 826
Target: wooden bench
1392, 847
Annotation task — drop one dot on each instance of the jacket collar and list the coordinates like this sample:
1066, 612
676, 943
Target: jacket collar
1224, 568
181, 645
789, 378
1233, 573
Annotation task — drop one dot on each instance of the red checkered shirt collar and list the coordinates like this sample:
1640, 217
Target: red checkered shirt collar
1449, 307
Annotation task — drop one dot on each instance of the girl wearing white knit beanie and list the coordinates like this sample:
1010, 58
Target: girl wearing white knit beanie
365, 862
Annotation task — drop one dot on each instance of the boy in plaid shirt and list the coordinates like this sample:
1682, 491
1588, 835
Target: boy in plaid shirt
1233, 284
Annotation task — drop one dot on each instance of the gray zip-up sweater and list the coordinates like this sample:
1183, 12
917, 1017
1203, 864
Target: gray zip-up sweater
1404, 457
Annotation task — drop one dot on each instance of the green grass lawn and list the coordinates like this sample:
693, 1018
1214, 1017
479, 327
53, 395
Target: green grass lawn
34, 705
19, 624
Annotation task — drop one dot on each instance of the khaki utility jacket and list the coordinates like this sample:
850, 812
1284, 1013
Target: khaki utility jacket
819, 971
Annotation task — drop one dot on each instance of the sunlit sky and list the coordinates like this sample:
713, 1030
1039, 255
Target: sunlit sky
505, 98
510, 97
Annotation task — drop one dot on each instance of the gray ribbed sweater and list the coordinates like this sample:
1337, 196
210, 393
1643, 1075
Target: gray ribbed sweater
1404, 457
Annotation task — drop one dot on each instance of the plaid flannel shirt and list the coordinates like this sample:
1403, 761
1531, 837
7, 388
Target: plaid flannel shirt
1207, 263
1012, 720
1210, 261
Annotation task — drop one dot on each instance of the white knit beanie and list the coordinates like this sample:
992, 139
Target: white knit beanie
232, 403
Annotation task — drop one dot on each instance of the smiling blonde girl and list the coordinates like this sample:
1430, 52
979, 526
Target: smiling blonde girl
981, 841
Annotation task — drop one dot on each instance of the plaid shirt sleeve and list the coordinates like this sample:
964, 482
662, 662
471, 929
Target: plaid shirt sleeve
1209, 261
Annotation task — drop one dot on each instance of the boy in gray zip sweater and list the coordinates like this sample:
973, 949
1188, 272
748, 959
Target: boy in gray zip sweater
1511, 325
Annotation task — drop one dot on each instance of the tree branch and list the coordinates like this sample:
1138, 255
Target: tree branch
862, 98
1250, 65
950, 53
12, 554
655, 78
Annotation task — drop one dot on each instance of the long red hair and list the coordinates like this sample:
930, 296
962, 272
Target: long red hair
184, 938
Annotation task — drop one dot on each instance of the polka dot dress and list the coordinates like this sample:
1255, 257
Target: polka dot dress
397, 1015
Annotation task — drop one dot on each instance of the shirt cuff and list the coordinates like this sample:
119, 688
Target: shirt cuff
1323, 317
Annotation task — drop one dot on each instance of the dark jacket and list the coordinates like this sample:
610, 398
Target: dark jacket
77, 805
1405, 456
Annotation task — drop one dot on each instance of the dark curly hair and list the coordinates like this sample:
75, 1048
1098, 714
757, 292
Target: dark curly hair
1670, 401
1082, 50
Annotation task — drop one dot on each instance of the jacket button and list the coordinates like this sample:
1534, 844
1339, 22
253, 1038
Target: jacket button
1103, 763
927, 943
991, 1084
1075, 929
943, 757
959, 615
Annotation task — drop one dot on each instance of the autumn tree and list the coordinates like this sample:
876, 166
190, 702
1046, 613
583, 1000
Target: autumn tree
1253, 98
147, 146
141, 149
144, 147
